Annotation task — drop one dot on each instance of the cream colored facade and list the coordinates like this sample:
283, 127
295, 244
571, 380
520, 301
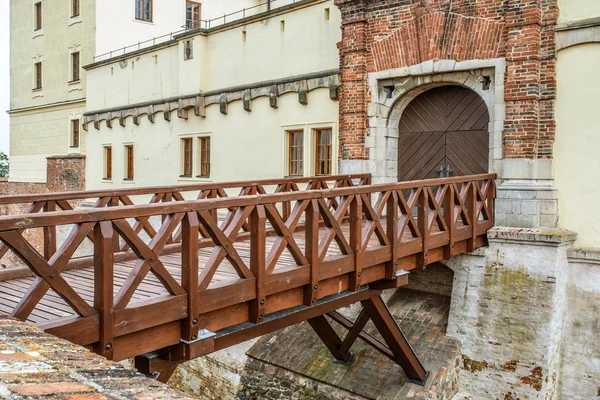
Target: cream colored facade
40, 118
577, 167
293, 49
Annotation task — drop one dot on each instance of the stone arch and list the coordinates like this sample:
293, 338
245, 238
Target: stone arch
391, 96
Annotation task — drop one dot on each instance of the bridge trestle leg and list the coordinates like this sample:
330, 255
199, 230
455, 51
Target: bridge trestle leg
398, 348
152, 365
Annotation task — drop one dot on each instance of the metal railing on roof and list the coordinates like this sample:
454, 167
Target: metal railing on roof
193, 25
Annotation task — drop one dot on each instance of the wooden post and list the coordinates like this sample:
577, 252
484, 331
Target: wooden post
472, 207
449, 220
311, 237
258, 259
114, 202
103, 286
49, 233
392, 234
356, 213
423, 223
189, 274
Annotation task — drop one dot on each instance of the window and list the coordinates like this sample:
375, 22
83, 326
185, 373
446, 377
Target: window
143, 10
295, 153
129, 162
75, 133
327, 14
38, 15
108, 162
192, 15
38, 75
75, 66
188, 52
186, 148
204, 157
75, 8
323, 151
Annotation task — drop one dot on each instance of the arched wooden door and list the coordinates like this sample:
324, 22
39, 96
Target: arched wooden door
443, 132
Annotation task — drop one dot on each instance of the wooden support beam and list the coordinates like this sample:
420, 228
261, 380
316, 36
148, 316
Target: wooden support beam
103, 286
155, 367
330, 339
395, 339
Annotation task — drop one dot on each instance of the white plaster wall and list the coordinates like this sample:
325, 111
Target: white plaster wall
221, 60
38, 134
572, 10
577, 167
117, 27
308, 44
116, 30
245, 145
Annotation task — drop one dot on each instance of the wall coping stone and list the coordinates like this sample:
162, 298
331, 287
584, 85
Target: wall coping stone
66, 157
584, 255
552, 236
34, 364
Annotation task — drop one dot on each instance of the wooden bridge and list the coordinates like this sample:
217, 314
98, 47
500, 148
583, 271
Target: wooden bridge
176, 279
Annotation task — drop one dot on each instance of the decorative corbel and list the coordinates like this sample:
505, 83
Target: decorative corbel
200, 108
274, 96
223, 106
247, 100
151, 113
303, 92
181, 111
167, 112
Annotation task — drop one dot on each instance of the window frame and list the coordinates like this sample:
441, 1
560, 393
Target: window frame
196, 23
75, 67
328, 153
188, 45
108, 162
38, 74
38, 19
75, 8
75, 140
143, 10
129, 173
188, 140
203, 154
298, 169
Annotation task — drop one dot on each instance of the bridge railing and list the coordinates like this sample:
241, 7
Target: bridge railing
351, 236
66, 201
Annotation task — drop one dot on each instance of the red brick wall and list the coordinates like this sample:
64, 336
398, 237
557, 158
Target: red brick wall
387, 34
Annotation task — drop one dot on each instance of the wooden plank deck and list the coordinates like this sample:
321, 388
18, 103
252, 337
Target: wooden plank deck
52, 307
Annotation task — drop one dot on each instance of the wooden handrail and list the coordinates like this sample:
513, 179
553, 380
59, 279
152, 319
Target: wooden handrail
89, 194
148, 210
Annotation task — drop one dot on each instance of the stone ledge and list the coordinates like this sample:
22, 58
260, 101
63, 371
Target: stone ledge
66, 157
586, 256
34, 364
550, 236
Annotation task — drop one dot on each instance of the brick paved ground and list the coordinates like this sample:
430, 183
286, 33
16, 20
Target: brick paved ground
280, 363
34, 365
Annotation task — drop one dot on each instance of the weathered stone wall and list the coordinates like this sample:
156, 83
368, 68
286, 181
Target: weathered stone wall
580, 355
35, 365
508, 305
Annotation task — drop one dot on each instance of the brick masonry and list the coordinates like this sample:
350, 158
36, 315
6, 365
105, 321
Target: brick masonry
34, 365
383, 35
293, 363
